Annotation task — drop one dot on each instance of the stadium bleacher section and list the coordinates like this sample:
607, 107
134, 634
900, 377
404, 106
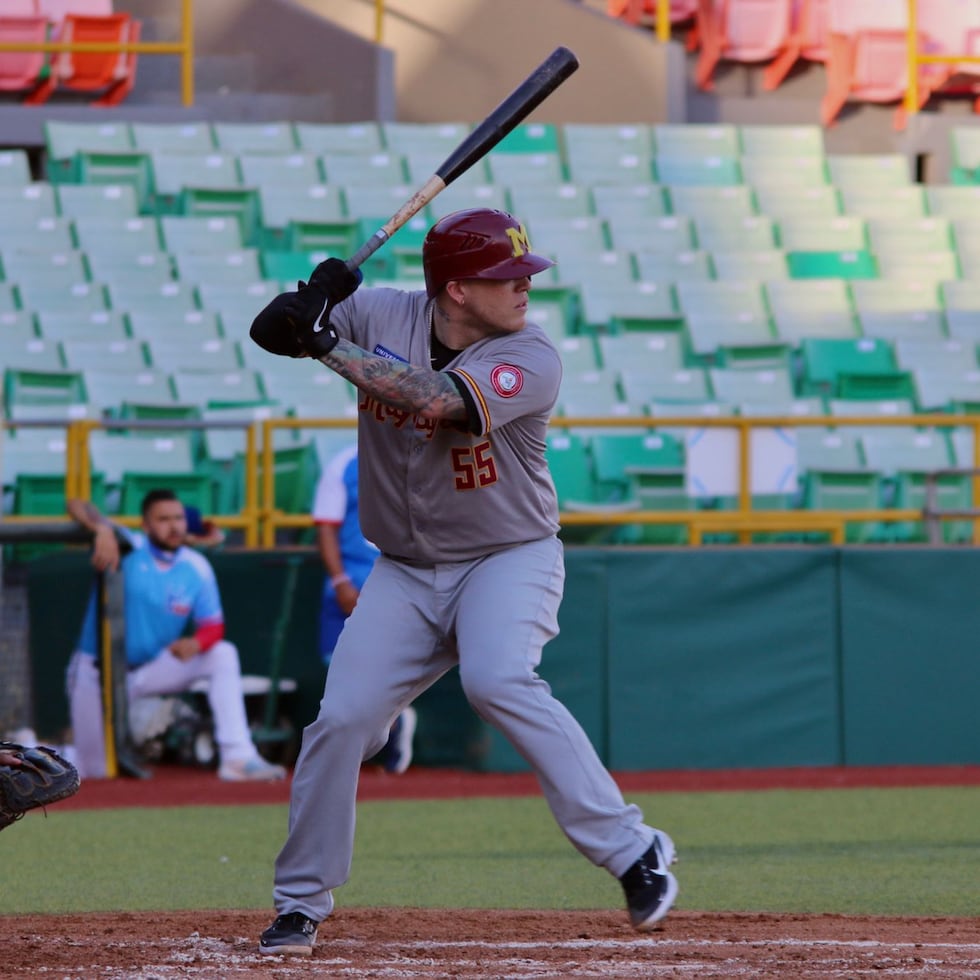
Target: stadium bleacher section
685, 286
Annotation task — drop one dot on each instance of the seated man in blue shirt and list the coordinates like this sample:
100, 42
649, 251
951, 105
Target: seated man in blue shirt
169, 589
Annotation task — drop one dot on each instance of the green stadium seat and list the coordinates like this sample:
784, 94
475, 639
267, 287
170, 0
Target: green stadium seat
358, 137
32, 456
673, 266
578, 354
80, 297
151, 269
175, 353
743, 341
117, 235
18, 327
722, 297
750, 263
828, 234
684, 386
289, 267
109, 390
720, 234
781, 140
27, 204
947, 388
898, 263
102, 325
215, 389
382, 168
28, 386
279, 205
657, 352
330, 237
810, 407
297, 469
727, 203
15, 168
964, 150
560, 201
760, 170
736, 385
611, 137
96, 201
254, 137
590, 394
648, 469
615, 201
531, 137
182, 137
788, 202
961, 304
234, 266
682, 139
858, 264
570, 466
195, 489
237, 304
702, 171
362, 201
173, 171
577, 264
885, 201
563, 235
519, 169
44, 234
57, 269
64, 139
115, 167
460, 197
841, 367
201, 233
238, 202
892, 325
953, 201
275, 169
150, 324
440, 137
110, 355
810, 308
869, 169
594, 167
903, 457
37, 354
649, 233
174, 297
556, 315
895, 296
638, 306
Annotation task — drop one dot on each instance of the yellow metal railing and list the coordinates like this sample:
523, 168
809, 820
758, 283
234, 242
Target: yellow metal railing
260, 519
917, 58
183, 47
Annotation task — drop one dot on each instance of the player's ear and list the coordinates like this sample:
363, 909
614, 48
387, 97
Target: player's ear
454, 290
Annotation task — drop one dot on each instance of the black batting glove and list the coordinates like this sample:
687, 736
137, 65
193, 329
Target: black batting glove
308, 309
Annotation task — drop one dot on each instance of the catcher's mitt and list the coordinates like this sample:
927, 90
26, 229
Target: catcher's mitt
43, 777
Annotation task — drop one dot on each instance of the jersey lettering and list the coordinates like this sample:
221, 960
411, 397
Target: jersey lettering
474, 466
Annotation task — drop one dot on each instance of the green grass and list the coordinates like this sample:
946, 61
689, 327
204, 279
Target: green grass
873, 852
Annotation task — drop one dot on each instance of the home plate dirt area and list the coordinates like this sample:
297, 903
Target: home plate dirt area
490, 945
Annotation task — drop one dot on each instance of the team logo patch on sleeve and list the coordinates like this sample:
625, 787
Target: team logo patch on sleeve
507, 380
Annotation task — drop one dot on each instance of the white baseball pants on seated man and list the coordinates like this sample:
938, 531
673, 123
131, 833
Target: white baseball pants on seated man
165, 674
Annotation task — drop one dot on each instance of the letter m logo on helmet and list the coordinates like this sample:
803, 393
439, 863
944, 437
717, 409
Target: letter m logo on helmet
480, 243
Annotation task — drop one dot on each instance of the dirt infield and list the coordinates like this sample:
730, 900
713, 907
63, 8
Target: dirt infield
465, 945
428, 944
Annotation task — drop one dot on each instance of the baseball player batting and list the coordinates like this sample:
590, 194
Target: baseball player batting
456, 389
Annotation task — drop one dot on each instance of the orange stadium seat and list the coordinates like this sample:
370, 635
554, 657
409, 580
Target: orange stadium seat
807, 41
111, 74
739, 30
21, 71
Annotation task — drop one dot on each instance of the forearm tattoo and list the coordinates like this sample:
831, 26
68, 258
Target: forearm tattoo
395, 383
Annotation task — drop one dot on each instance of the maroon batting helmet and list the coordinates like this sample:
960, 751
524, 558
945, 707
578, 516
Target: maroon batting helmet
478, 244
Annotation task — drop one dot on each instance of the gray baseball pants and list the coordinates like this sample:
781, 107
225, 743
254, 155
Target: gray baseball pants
492, 616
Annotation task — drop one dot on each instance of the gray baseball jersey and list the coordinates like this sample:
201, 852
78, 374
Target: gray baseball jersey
432, 491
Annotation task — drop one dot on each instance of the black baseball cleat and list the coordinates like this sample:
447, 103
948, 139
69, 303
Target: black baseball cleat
292, 934
649, 886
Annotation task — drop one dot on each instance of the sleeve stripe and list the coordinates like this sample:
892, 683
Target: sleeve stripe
478, 395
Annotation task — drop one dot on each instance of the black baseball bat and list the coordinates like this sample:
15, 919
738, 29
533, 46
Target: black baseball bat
516, 107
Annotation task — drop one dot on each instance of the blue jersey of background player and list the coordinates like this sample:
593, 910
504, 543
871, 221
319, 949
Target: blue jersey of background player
348, 557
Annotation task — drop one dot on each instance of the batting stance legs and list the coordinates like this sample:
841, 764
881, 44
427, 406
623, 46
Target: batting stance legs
493, 616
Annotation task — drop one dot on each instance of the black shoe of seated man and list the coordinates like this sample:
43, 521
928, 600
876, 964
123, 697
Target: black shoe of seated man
292, 934
650, 887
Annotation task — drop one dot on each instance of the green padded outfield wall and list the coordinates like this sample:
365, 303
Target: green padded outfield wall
911, 656
670, 658
723, 658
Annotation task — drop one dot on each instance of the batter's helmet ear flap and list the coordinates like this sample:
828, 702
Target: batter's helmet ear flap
480, 243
